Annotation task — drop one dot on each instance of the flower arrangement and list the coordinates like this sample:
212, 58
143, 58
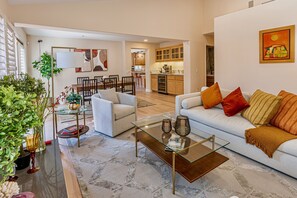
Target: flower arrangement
61, 99
8, 189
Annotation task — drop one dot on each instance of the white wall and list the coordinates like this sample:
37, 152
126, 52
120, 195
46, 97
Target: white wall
68, 76
237, 49
215, 8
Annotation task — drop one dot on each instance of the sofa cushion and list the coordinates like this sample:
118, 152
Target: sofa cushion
211, 96
121, 110
109, 94
263, 106
191, 102
234, 103
216, 118
286, 117
226, 92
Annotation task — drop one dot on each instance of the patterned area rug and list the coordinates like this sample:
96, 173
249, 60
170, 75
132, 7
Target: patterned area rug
107, 167
143, 103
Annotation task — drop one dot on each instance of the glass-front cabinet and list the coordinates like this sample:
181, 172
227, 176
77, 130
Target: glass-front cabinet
159, 55
175, 53
166, 54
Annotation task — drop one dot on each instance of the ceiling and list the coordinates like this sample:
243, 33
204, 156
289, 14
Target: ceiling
19, 2
45, 31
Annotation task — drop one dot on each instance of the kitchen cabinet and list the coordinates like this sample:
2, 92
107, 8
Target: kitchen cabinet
175, 84
173, 53
154, 82
159, 55
166, 54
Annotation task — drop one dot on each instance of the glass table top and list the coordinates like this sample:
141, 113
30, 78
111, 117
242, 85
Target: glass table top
64, 110
193, 147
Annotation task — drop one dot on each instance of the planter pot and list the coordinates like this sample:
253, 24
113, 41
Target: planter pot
73, 106
23, 161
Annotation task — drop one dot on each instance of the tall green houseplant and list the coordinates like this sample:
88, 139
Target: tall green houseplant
18, 114
44, 66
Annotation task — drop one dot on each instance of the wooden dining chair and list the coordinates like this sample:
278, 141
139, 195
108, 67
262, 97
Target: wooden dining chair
109, 83
128, 85
90, 87
115, 76
99, 78
80, 80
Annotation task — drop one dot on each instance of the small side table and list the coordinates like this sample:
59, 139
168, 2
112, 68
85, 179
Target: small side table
80, 129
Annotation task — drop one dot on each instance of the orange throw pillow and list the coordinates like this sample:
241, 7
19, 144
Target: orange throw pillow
286, 116
234, 103
211, 96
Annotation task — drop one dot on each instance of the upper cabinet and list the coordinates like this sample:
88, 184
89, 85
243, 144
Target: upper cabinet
173, 53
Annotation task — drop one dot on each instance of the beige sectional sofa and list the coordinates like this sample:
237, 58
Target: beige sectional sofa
232, 129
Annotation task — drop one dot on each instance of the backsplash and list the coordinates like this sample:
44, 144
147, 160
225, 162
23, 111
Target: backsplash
177, 67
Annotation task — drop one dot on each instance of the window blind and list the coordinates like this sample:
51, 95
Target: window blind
11, 52
3, 69
21, 58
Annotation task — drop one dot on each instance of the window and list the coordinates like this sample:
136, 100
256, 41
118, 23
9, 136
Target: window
21, 58
3, 70
11, 51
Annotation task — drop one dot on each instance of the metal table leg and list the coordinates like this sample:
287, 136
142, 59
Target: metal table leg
136, 150
77, 126
173, 172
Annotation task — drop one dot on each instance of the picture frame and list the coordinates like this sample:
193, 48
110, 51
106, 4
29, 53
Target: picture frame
277, 45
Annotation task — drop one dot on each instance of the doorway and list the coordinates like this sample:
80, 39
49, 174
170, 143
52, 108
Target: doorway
138, 68
209, 65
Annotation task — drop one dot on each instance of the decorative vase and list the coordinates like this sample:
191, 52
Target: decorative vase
40, 131
166, 125
73, 106
182, 126
32, 144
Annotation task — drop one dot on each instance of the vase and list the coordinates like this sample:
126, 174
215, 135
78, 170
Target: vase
182, 126
73, 106
166, 125
40, 130
32, 142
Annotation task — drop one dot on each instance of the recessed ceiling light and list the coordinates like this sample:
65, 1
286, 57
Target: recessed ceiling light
145, 40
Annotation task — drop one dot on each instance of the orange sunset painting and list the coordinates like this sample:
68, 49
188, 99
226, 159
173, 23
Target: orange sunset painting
276, 45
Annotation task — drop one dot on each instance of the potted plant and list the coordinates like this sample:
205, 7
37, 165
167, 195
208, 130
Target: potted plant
30, 85
18, 114
74, 101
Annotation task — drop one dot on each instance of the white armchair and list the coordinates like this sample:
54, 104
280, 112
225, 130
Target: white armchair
112, 119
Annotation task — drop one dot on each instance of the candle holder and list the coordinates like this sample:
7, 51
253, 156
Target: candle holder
182, 126
166, 125
32, 144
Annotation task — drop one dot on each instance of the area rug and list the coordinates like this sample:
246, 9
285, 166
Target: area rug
107, 167
143, 103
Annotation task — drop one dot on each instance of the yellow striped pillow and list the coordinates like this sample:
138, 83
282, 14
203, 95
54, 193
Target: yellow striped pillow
263, 106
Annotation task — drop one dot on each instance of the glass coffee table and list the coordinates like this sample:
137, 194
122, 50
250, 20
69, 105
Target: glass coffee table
194, 155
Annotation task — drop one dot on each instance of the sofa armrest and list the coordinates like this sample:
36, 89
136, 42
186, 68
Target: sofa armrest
179, 99
102, 108
127, 99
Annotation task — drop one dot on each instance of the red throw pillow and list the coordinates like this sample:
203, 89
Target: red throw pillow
234, 103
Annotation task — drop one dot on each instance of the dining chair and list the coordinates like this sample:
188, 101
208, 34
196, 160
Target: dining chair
115, 76
80, 80
90, 87
109, 83
99, 78
128, 85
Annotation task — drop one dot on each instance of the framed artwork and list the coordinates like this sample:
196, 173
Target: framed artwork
99, 57
95, 60
87, 62
277, 45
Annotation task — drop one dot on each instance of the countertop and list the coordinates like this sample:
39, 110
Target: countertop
174, 74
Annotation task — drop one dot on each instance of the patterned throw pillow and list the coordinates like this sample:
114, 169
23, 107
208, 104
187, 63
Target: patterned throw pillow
211, 96
234, 103
263, 106
286, 117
